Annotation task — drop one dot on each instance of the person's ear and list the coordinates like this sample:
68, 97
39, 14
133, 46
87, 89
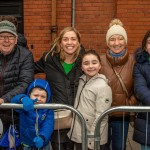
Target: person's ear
16, 39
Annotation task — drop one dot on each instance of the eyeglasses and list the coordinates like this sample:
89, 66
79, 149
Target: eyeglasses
10, 37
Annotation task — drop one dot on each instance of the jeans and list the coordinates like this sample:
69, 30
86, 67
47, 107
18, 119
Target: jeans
143, 147
116, 141
47, 147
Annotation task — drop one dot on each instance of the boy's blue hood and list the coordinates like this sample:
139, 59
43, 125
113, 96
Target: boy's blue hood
41, 84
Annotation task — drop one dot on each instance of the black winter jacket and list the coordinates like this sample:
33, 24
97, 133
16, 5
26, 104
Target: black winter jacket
22, 41
142, 92
16, 72
63, 86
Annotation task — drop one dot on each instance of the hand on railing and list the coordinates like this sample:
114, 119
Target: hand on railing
1, 101
28, 103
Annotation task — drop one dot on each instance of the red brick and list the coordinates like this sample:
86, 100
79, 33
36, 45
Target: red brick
92, 19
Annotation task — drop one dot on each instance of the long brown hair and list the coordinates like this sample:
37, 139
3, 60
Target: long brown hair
56, 48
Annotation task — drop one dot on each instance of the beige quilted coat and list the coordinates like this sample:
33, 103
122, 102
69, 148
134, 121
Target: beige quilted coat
93, 98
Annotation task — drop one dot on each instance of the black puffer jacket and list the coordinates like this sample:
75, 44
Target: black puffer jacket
16, 72
142, 92
63, 86
22, 41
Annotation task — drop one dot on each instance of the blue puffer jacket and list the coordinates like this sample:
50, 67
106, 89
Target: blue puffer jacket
28, 119
142, 92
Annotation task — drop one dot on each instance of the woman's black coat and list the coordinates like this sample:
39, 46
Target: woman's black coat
63, 86
142, 92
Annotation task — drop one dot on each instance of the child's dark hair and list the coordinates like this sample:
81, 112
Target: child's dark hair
11, 19
146, 36
93, 52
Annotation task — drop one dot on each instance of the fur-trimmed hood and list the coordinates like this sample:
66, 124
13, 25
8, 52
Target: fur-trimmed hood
141, 56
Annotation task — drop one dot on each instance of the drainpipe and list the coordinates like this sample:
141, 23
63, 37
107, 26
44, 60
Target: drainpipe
53, 24
73, 14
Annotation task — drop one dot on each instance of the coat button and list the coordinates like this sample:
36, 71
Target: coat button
106, 100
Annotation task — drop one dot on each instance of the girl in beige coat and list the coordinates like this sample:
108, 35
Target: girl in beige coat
93, 97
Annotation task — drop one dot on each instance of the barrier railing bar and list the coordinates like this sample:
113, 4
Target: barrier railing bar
110, 110
55, 106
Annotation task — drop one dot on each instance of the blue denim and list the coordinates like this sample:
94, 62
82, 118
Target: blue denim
115, 135
47, 147
143, 147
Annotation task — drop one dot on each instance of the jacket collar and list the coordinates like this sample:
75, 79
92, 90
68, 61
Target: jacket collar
115, 61
141, 56
83, 77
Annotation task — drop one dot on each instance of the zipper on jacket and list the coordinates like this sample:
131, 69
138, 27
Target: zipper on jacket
76, 108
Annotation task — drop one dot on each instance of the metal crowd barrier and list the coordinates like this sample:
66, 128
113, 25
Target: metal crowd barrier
55, 106
114, 109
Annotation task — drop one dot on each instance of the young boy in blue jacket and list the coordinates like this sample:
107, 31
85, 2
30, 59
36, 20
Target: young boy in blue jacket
36, 126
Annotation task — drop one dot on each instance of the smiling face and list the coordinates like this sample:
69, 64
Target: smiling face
69, 43
90, 65
40, 94
116, 43
7, 42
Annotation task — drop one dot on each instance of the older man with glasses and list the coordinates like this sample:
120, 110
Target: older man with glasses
16, 70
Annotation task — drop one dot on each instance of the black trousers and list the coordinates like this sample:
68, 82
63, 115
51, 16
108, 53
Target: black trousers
18, 148
6, 117
62, 146
79, 146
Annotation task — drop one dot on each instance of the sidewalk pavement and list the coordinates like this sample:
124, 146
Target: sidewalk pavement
132, 145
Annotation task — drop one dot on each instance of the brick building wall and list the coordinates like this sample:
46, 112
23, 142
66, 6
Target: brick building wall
91, 19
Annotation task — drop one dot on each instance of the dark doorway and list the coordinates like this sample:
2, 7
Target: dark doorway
15, 8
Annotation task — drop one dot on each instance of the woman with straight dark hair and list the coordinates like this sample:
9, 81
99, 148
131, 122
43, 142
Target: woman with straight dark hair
142, 91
